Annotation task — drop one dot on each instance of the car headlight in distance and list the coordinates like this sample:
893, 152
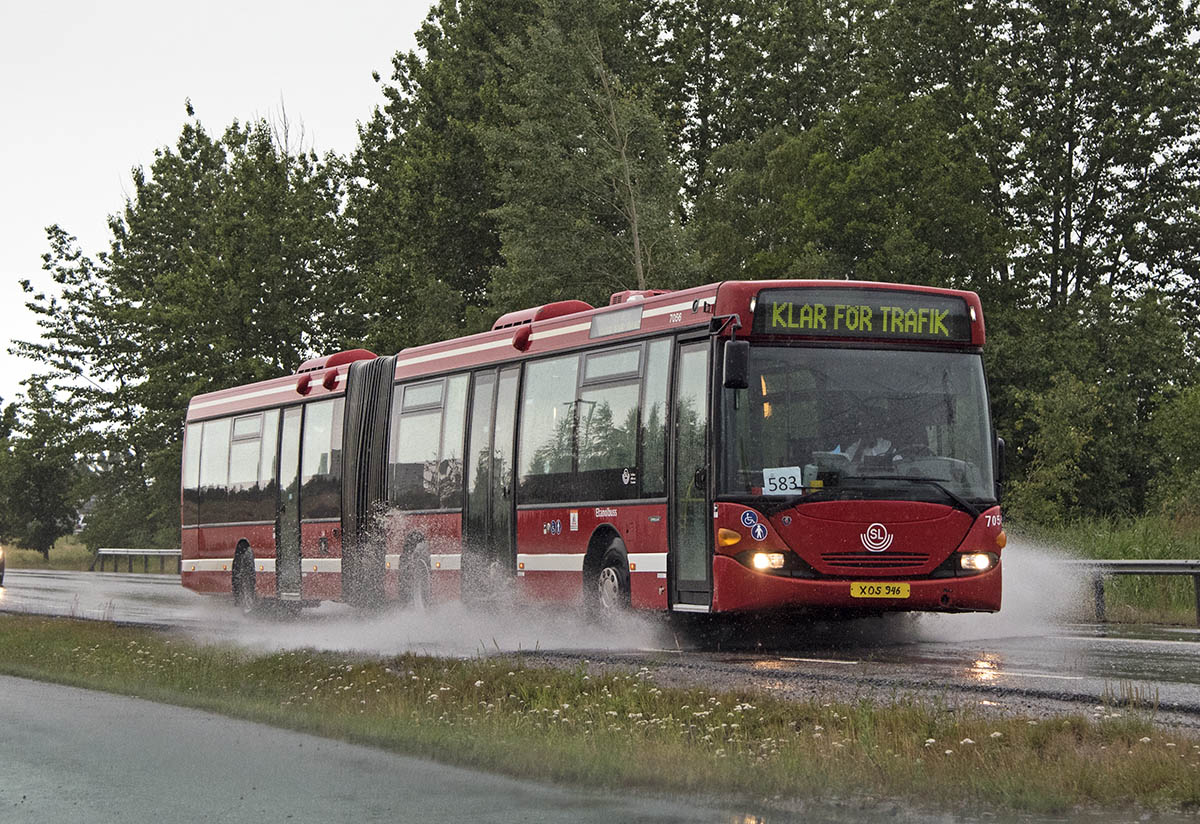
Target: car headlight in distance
976, 561
767, 560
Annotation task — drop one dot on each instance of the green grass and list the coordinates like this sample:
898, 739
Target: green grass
66, 554
69, 554
1168, 599
618, 730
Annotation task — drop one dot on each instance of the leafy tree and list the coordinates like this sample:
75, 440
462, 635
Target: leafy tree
1176, 489
590, 197
882, 189
37, 473
1106, 164
223, 269
1090, 441
419, 224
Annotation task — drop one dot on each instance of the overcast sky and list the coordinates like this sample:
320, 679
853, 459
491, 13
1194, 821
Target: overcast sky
89, 90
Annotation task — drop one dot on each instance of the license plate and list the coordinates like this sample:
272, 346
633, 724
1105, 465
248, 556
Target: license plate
877, 590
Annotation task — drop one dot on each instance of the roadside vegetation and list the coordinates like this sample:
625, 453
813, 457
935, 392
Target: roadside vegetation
1134, 598
615, 728
580, 148
66, 554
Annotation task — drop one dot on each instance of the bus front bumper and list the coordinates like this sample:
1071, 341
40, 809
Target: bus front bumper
737, 588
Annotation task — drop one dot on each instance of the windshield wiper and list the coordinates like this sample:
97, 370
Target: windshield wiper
961, 502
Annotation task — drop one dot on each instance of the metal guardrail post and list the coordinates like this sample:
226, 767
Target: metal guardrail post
1196, 585
117, 553
1098, 591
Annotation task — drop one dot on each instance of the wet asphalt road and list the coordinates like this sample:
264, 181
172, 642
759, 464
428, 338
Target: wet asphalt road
71, 755
1022, 663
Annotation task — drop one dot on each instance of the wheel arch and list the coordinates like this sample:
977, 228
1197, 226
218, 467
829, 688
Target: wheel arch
599, 542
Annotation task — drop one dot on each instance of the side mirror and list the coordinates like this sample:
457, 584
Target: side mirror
737, 364
1001, 471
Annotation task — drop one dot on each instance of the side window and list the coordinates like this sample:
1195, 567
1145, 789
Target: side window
190, 500
597, 433
546, 445
450, 467
267, 468
654, 420
425, 455
321, 460
607, 425
214, 471
244, 454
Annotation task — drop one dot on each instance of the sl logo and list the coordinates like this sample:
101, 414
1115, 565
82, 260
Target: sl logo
876, 538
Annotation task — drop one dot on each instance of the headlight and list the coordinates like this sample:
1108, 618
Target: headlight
977, 561
767, 560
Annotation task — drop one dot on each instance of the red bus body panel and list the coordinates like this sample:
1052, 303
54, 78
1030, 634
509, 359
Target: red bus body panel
553, 540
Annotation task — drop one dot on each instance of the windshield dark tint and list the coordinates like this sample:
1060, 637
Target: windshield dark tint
883, 421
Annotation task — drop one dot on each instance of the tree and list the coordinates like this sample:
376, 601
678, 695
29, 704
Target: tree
1090, 443
889, 186
224, 268
37, 473
419, 225
1176, 488
589, 194
1105, 176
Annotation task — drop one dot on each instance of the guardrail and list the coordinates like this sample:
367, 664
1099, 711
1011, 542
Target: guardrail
1103, 569
146, 554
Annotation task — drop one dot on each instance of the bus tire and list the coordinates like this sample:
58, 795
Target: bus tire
610, 593
415, 578
245, 595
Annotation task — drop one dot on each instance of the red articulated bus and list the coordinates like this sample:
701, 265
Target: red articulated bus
736, 447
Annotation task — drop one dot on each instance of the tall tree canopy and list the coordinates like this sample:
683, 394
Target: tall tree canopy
1045, 153
225, 267
589, 193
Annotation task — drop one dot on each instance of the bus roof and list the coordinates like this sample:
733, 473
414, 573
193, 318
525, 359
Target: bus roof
566, 325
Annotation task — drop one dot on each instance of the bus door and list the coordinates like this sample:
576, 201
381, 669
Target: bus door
691, 521
489, 549
287, 519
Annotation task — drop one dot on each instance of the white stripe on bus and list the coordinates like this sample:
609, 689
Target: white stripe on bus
554, 562
567, 562
261, 565
288, 389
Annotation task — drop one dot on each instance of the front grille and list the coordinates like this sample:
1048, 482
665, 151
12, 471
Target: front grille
871, 560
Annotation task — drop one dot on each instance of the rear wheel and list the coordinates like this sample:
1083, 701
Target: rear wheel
244, 594
414, 578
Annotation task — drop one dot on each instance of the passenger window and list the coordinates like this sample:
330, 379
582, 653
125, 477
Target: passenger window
654, 420
244, 452
608, 417
191, 474
547, 430
607, 426
214, 472
321, 460
425, 456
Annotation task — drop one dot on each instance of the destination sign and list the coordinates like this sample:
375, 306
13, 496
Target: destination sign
862, 313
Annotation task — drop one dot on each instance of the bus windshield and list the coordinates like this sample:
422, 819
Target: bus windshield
821, 423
